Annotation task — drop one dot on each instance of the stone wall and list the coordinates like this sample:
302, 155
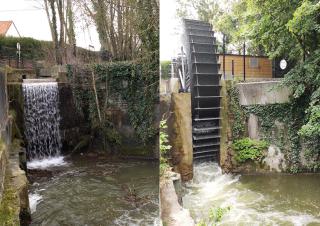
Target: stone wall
4, 134
249, 94
13, 181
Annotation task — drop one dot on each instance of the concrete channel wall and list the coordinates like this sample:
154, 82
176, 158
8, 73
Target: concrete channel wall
265, 92
4, 130
252, 93
14, 202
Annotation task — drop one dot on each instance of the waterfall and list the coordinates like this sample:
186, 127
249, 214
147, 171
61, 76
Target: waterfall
42, 119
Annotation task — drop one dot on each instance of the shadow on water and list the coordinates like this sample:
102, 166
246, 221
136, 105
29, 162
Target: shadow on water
90, 192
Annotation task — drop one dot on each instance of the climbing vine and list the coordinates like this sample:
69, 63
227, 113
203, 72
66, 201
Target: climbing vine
238, 115
124, 80
291, 115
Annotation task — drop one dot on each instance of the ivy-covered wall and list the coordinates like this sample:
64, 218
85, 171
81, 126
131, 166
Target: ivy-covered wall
276, 125
119, 101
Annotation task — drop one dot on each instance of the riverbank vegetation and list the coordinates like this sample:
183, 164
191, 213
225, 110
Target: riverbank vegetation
280, 29
122, 86
164, 148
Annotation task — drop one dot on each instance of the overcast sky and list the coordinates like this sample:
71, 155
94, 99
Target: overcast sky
32, 22
169, 30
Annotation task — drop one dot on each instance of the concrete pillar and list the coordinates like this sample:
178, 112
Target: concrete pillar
181, 137
253, 127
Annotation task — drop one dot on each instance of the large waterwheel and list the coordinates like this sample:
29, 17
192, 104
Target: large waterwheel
203, 72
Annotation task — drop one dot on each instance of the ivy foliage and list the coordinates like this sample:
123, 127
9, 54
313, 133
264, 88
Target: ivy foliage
304, 81
122, 80
291, 115
248, 149
238, 115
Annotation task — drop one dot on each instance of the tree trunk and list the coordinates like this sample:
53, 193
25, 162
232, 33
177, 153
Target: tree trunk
96, 96
55, 32
60, 4
70, 30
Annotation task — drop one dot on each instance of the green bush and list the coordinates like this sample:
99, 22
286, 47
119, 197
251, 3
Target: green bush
248, 149
165, 69
30, 48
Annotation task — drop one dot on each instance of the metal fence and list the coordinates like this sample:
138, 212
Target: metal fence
14, 62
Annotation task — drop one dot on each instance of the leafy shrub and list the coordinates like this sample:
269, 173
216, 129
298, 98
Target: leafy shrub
248, 149
215, 216
164, 147
165, 69
30, 48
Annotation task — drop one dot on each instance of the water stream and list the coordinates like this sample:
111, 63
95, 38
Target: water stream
91, 192
42, 120
254, 199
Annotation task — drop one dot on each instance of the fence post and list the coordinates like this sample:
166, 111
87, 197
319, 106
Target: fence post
244, 61
232, 69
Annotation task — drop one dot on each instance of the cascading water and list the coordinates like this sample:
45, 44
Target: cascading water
253, 199
42, 120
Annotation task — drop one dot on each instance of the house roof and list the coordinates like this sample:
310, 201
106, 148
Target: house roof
4, 27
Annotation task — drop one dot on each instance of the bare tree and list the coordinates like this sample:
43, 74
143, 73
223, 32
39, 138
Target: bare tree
60, 17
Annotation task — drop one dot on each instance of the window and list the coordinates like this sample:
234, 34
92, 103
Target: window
253, 62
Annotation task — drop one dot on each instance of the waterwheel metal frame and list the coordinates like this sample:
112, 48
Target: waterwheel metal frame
203, 78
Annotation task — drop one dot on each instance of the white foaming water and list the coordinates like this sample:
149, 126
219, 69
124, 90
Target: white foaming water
42, 119
34, 200
211, 189
46, 163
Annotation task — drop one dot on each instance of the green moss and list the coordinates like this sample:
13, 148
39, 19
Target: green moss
9, 207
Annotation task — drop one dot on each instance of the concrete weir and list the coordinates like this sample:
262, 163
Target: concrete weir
39, 80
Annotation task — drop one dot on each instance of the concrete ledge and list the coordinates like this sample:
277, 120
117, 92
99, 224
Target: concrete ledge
172, 213
39, 80
262, 93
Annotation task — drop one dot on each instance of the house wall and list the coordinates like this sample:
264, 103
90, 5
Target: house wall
263, 68
12, 32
